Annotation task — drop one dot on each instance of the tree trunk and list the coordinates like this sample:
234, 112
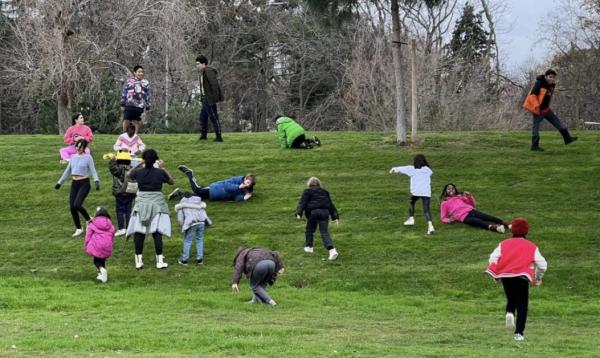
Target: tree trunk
167, 90
397, 57
492, 39
413, 94
63, 109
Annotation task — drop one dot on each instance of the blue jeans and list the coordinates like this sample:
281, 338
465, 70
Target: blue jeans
194, 232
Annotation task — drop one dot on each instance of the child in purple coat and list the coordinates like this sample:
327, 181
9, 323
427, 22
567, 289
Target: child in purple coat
99, 237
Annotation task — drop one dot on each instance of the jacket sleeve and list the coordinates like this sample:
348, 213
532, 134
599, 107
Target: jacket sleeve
540, 265
303, 202
239, 267
89, 231
65, 174
278, 262
495, 256
333, 209
141, 145
123, 100
89, 135
148, 95
444, 213
406, 170
92, 168
469, 199
117, 145
115, 170
213, 82
68, 138
180, 215
282, 137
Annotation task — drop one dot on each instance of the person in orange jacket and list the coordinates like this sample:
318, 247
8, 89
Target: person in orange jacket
538, 103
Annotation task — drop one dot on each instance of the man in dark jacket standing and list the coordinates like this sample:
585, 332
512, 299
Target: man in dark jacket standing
538, 103
210, 95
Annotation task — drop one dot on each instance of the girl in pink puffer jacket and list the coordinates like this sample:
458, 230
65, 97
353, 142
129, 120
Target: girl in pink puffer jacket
99, 237
457, 206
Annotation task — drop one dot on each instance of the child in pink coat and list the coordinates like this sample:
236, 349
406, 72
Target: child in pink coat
457, 206
99, 238
76, 132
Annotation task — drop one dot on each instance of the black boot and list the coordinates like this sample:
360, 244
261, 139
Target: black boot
567, 137
535, 144
219, 138
202, 136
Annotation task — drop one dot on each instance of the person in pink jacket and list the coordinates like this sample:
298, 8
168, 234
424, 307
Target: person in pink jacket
517, 262
457, 206
99, 237
74, 133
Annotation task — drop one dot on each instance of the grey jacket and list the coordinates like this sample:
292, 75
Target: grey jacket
191, 211
247, 259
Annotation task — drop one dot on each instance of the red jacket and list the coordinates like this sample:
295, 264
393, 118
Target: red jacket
516, 257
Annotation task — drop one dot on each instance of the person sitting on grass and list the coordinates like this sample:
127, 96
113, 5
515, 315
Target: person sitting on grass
457, 206
261, 266
75, 133
512, 262
292, 135
238, 188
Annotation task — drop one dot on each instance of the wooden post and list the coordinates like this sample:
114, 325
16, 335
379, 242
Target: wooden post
397, 58
413, 108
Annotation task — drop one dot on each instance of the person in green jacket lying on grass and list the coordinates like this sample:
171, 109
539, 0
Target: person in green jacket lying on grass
292, 135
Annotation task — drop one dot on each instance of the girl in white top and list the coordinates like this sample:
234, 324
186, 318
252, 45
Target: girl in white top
420, 188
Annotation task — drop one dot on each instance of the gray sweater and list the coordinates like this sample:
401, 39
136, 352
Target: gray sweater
79, 165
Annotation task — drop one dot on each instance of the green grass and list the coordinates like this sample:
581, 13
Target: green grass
393, 291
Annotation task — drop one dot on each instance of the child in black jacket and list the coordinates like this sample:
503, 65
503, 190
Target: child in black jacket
317, 206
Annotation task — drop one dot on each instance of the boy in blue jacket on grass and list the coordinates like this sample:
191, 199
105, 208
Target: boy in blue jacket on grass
238, 188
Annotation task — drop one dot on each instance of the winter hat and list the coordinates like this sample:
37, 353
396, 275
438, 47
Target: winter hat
124, 156
520, 227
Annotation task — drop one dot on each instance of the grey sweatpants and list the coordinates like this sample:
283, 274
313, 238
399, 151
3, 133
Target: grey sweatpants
259, 279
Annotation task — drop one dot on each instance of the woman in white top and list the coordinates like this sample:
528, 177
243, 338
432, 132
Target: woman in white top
420, 188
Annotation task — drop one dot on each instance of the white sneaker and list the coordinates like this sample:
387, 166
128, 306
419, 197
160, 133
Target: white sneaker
410, 221
139, 264
430, 228
308, 249
333, 254
103, 275
500, 229
519, 337
77, 232
510, 320
160, 264
120, 232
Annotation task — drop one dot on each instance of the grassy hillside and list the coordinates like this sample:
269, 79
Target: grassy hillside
393, 291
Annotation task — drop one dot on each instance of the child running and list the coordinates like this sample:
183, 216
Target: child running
192, 218
99, 238
420, 188
316, 204
512, 262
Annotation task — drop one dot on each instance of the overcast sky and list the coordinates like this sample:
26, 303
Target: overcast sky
518, 36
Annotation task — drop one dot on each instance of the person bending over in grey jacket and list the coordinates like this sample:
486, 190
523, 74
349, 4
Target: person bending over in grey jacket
261, 266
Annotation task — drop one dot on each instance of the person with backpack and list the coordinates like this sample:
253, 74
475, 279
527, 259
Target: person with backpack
123, 189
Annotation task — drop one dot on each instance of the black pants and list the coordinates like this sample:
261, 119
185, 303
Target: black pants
123, 209
482, 220
550, 117
98, 262
209, 111
299, 142
517, 298
138, 241
411, 206
318, 217
203, 193
79, 191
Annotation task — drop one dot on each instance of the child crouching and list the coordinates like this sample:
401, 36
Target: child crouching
192, 218
99, 236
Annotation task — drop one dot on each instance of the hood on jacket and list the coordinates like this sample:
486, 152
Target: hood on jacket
282, 120
102, 222
211, 69
194, 200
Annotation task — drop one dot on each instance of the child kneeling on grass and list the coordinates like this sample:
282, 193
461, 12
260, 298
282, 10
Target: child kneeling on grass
512, 262
192, 218
261, 266
317, 206
99, 236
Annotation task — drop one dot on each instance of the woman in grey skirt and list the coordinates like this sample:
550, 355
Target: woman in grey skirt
261, 266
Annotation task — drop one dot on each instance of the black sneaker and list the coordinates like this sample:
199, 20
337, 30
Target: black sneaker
185, 170
182, 262
175, 194
202, 137
317, 141
219, 139
200, 261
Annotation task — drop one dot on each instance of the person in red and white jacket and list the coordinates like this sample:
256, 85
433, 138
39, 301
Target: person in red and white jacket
130, 142
517, 262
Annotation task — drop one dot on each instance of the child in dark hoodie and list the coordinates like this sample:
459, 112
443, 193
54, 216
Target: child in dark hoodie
317, 206
119, 166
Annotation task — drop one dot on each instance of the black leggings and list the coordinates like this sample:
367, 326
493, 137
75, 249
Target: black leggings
98, 262
203, 193
482, 220
320, 218
517, 298
138, 241
79, 191
411, 206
